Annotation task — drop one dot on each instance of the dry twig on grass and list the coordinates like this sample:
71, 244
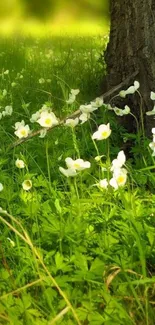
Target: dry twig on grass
77, 112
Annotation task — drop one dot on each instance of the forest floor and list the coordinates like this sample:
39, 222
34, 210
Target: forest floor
74, 250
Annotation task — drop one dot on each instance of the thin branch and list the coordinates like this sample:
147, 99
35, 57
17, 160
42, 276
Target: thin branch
78, 112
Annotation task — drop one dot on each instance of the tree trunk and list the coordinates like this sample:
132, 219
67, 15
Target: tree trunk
132, 48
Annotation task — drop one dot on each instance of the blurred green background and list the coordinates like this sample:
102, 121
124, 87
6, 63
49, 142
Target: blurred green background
55, 12
52, 9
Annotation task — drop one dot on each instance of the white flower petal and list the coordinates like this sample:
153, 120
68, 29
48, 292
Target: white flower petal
19, 163
43, 133
1, 187
27, 184
87, 108
68, 172
136, 84
75, 91
84, 117
103, 183
113, 183
72, 122
152, 95
122, 93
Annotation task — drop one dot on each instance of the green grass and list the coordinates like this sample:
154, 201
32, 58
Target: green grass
71, 252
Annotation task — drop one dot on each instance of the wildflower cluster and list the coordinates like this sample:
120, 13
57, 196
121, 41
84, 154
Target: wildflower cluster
119, 174
123, 93
27, 183
45, 117
89, 108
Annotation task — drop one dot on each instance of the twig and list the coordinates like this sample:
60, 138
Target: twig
78, 112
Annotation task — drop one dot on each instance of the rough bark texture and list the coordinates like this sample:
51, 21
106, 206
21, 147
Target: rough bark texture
132, 47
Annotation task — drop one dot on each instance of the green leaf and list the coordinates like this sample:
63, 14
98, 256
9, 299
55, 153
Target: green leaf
57, 205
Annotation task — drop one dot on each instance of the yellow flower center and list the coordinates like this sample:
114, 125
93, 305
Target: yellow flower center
23, 132
76, 165
48, 121
105, 134
120, 179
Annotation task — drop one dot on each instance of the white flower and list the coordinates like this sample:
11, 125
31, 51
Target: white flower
121, 112
109, 107
119, 162
122, 93
98, 158
152, 95
27, 184
68, 172
87, 108
6, 72
8, 110
72, 96
84, 117
153, 130
3, 113
1, 187
152, 146
119, 178
19, 124
4, 92
78, 164
113, 183
126, 110
98, 102
35, 117
75, 91
43, 133
149, 113
47, 119
136, 84
103, 132
72, 122
118, 111
19, 163
71, 99
22, 130
45, 108
103, 183
41, 80
131, 90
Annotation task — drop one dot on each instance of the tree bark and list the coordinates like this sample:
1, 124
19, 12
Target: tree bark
132, 48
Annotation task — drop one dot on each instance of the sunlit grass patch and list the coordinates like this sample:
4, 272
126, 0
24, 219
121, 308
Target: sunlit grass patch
38, 29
